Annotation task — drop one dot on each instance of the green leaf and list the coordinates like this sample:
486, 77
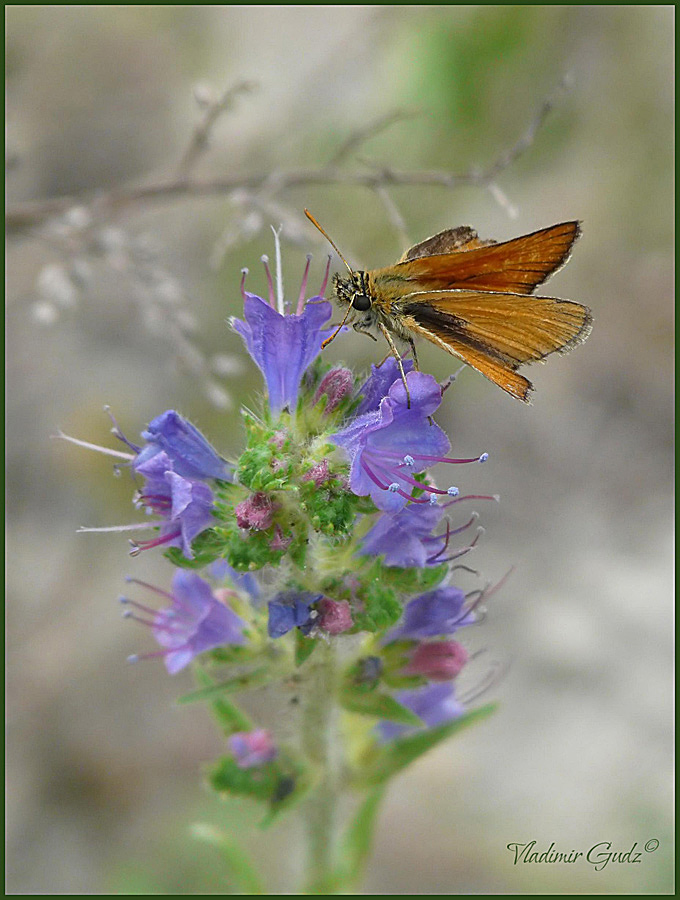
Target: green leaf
380, 706
304, 647
250, 680
290, 790
259, 782
241, 867
228, 716
358, 839
356, 847
391, 759
281, 783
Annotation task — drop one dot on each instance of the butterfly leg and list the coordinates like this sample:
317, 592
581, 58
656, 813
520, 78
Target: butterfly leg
395, 354
359, 330
412, 344
416, 366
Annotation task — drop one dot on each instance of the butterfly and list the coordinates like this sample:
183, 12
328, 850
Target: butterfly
473, 298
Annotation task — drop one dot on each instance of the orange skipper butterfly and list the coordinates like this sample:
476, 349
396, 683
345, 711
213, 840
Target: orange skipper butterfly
473, 298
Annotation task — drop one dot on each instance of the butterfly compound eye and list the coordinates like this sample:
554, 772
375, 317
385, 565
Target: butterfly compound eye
361, 302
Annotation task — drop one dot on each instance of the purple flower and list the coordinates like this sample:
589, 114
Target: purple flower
252, 748
191, 455
405, 538
439, 612
379, 382
245, 581
388, 446
195, 621
281, 345
291, 609
185, 505
434, 703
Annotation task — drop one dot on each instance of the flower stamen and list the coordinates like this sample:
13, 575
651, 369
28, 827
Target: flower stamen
303, 288
264, 259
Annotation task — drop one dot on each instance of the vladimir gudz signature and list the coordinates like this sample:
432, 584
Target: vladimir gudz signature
599, 856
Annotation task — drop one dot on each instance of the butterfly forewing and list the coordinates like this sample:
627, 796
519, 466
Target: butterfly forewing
516, 266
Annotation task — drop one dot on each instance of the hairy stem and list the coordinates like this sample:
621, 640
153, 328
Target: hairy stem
318, 730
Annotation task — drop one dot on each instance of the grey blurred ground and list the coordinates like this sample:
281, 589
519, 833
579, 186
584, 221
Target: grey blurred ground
102, 767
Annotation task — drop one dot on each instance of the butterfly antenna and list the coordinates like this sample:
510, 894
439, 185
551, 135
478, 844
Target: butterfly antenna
338, 329
332, 243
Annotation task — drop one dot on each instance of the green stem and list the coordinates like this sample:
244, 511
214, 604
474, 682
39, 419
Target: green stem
318, 739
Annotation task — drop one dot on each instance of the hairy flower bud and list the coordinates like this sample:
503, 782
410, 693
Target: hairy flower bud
437, 660
336, 385
335, 617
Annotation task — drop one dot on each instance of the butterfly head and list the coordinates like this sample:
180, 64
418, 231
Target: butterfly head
353, 290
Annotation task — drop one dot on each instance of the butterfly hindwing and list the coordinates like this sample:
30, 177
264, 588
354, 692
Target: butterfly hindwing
497, 332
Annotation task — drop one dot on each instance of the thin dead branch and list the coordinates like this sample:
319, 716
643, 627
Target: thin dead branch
32, 213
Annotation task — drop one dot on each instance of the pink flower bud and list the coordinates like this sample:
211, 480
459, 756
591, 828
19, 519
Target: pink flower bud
255, 513
319, 473
252, 748
335, 617
336, 385
437, 660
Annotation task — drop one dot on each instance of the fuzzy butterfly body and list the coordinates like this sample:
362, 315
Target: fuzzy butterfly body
474, 299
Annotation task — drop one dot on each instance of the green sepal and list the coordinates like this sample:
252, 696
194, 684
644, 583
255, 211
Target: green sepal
259, 782
246, 554
383, 763
329, 509
379, 706
281, 783
233, 654
255, 679
304, 647
381, 606
206, 547
291, 788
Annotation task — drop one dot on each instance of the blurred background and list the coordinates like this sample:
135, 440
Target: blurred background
126, 304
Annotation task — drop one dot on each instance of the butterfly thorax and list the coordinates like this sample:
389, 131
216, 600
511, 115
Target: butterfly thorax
373, 304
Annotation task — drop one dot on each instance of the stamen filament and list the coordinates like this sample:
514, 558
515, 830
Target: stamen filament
135, 527
270, 284
152, 587
303, 288
472, 497
107, 451
116, 431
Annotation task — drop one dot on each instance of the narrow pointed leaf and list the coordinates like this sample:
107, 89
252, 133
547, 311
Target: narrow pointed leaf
242, 869
395, 756
228, 715
358, 839
250, 680
380, 706
303, 647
